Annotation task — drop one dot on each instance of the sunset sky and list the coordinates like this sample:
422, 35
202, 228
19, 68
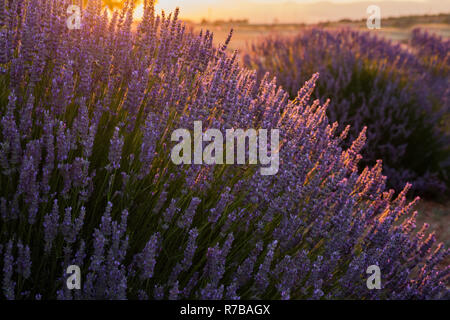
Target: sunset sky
268, 11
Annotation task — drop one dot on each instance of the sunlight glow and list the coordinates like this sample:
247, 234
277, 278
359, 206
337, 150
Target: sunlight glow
285, 11
139, 11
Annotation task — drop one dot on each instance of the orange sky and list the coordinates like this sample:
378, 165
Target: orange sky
309, 11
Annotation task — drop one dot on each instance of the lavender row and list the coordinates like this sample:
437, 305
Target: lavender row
400, 92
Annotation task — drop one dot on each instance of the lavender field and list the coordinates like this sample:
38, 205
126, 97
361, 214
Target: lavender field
88, 116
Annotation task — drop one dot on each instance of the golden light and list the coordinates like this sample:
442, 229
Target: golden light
118, 4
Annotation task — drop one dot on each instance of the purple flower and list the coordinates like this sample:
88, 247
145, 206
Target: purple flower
146, 260
191, 247
70, 226
174, 292
185, 221
149, 141
261, 278
115, 150
8, 285
23, 260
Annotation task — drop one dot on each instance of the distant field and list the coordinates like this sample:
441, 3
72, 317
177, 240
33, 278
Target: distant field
398, 29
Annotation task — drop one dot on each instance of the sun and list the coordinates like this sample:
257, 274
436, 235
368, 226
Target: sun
117, 4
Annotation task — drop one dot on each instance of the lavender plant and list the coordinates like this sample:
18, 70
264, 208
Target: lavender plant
400, 94
433, 54
86, 177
